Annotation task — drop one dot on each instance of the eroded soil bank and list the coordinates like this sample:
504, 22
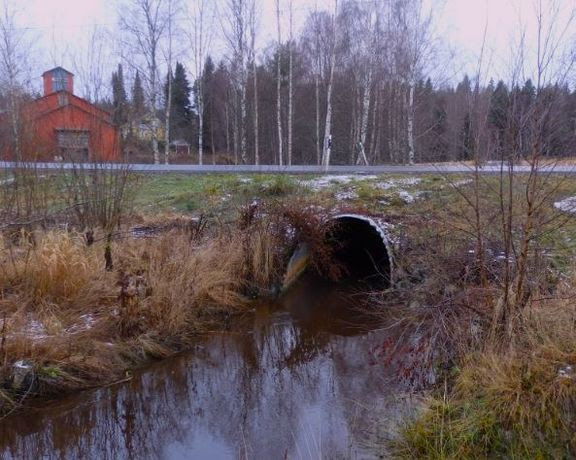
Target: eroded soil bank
306, 376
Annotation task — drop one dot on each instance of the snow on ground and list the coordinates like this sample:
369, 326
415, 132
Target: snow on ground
461, 183
395, 183
394, 186
407, 197
35, 331
346, 195
327, 181
567, 205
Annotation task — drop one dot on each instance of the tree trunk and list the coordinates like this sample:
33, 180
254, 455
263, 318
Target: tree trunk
200, 124
154, 119
167, 121
227, 121
410, 124
290, 91
15, 118
242, 128
317, 97
256, 136
279, 87
327, 148
375, 125
364, 119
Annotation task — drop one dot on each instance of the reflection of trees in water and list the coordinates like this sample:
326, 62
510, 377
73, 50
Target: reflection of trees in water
280, 389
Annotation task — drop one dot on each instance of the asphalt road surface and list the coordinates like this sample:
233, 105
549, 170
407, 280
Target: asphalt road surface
439, 168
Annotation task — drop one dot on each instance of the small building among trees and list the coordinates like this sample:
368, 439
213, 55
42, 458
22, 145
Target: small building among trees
60, 126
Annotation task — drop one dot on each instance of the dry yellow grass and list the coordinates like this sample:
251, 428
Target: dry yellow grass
76, 324
514, 403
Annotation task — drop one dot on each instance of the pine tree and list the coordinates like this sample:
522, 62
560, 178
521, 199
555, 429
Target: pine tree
138, 100
498, 114
181, 113
467, 145
209, 103
440, 128
119, 98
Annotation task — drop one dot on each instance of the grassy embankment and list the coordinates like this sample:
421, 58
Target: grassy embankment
501, 320
76, 324
81, 308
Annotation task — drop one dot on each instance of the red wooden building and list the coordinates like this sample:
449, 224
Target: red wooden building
62, 126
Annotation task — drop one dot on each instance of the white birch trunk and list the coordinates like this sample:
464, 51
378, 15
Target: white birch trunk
154, 118
290, 91
256, 129
200, 123
15, 118
278, 87
317, 97
168, 112
327, 148
362, 159
242, 128
410, 124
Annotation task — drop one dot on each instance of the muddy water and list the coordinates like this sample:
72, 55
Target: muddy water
305, 378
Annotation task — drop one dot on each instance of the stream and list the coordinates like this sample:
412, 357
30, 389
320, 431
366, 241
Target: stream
305, 377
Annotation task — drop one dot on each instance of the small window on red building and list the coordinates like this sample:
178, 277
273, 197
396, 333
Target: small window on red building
59, 80
74, 145
62, 99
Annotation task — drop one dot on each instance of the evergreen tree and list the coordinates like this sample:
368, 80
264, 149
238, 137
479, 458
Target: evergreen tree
119, 98
181, 112
208, 88
464, 86
499, 104
138, 99
439, 129
467, 146
499, 113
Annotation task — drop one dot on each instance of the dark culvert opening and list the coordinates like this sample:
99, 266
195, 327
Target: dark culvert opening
360, 250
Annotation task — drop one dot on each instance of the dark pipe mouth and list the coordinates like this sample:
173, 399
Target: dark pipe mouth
360, 249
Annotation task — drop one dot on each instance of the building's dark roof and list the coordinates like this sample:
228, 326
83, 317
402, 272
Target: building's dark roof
57, 68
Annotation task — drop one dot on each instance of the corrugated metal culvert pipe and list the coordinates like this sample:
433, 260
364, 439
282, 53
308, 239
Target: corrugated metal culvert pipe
361, 246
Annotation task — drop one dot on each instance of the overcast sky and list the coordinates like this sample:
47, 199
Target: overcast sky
64, 26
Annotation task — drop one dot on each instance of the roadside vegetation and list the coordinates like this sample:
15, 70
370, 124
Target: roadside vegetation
95, 284
488, 279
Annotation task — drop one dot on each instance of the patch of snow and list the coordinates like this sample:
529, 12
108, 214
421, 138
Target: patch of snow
346, 195
327, 181
395, 183
407, 197
461, 183
86, 322
35, 330
566, 372
566, 205
21, 364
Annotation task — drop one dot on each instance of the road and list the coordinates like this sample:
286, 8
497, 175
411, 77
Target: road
490, 168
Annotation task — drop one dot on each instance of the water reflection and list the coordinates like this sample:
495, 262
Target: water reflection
302, 381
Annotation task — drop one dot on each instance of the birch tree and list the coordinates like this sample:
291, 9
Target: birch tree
279, 84
327, 148
200, 18
14, 70
414, 47
252, 58
290, 81
236, 33
91, 64
144, 25
168, 105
